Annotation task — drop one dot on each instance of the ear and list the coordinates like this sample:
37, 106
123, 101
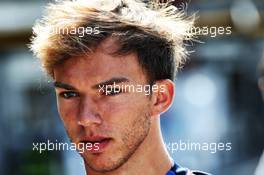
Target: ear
162, 96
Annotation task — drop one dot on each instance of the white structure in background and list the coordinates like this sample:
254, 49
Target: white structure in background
260, 167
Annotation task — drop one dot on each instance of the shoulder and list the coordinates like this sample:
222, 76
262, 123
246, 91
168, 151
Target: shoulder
178, 170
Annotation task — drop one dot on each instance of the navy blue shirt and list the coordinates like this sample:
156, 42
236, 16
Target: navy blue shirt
178, 170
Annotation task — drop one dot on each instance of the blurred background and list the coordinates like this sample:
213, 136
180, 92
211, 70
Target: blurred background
217, 97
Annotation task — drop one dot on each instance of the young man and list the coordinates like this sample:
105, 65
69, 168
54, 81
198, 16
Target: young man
102, 55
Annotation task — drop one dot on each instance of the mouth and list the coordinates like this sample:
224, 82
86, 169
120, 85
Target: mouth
96, 144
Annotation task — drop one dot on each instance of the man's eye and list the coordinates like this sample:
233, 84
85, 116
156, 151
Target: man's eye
68, 94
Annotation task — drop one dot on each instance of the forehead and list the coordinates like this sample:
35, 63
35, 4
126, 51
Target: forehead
100, 65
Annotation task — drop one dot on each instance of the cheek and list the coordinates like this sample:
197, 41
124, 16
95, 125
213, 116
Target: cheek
67, 112
124, 107
68, 116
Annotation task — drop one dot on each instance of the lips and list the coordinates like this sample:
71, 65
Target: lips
96, 144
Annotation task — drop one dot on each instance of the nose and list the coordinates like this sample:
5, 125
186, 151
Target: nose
88, 113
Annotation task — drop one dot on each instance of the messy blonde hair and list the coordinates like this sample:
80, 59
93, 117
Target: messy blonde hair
156, 31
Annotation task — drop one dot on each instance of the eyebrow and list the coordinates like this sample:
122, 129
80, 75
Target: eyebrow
111, 81
58, 84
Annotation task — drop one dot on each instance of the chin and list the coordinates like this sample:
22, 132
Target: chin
102, 163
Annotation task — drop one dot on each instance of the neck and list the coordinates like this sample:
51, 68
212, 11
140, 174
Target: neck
151, 157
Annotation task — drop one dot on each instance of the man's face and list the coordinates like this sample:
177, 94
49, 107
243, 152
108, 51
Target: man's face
120, 122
